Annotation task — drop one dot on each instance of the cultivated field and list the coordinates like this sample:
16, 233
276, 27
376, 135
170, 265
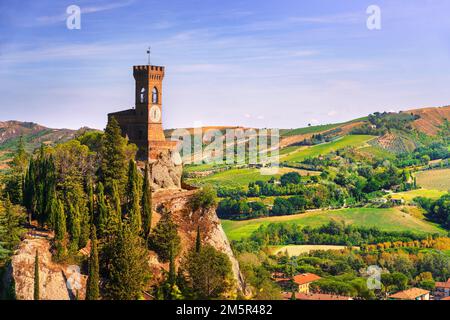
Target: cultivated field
295, 250
242, 177
302, 153
408, 196
438, 179
391, 219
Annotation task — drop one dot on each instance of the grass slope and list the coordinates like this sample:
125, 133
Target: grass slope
438, 179
302, 153
242, 177
408, 196
391, 219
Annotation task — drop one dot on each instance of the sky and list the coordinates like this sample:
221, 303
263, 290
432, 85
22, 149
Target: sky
255, 63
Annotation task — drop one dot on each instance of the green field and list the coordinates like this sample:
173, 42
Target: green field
377, 152
306, 130
316, 129
321, 149
438, 179
391, 219
242, 177
295, 250
408, 196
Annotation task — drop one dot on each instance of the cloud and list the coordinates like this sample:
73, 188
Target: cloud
332, 113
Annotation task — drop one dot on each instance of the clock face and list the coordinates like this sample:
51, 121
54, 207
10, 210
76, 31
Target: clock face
155, 114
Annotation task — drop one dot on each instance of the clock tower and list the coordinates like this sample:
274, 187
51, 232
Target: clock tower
143, 124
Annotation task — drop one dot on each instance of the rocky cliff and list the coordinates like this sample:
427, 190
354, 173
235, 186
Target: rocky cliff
187, 221
64, 282
56, 282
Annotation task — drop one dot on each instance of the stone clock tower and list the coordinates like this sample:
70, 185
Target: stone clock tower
143, 124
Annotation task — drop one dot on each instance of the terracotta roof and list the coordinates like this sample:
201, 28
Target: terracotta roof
409, 294
443, 285
447, 298
305, 278
315, 296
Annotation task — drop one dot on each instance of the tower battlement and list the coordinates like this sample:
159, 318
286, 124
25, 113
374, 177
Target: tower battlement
148, 68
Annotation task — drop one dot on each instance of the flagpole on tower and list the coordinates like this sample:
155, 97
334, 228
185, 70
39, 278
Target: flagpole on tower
149, 53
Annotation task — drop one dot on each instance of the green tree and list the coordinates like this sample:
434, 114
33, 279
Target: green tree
102, 215
14, 181
115, 154
126, 265
36, 277
146, 204
92, 286
210, 273
164, 238
204, 199
198, 241
134, 197
74, 228
11, 230
60, 231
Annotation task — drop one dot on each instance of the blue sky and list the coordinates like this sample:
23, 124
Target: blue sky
260, 63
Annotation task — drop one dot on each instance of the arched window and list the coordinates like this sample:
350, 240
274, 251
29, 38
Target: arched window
142, 96
155, 95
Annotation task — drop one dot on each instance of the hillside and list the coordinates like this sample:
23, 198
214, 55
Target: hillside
390, 219
33, 135
430, 119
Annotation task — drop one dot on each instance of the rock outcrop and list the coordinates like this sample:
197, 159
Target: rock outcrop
166, 171
210, 228
56, 282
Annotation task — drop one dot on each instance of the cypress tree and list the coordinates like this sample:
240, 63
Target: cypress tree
146, 204
75, 228
127, 266
135, 213
91, 202
85, 226
133, 191
114, 158
164, 238
92, 286
102, 210
115, 212
60, 231
36, 277
198, 241
172, 271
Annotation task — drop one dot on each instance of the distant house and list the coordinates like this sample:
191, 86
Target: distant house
442, 290
304, 280
411, 294
397, 202
315, 296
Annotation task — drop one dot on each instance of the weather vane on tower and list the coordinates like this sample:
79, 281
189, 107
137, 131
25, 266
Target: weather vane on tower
149, 53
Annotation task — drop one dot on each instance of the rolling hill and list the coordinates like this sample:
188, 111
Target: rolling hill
430, 119
33, 136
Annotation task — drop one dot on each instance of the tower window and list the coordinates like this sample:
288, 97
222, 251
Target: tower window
155, 95
142, 96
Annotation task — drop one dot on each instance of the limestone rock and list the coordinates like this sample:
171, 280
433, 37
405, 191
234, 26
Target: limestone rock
187, 221
54, 279
165, 173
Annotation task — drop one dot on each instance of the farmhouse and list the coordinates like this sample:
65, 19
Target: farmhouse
442, 290
304, 280
411, 294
